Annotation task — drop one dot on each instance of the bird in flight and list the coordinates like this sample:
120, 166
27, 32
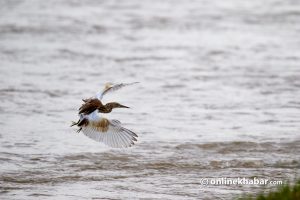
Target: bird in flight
100, 129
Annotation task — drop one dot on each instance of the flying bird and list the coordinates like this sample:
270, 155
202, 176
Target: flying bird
110, 132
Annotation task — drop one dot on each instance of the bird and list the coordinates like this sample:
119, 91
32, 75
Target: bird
109, 131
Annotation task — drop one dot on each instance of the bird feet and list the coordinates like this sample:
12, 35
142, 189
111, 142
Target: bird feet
74, 123
79, 130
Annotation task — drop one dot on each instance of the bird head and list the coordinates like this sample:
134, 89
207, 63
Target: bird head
115, 105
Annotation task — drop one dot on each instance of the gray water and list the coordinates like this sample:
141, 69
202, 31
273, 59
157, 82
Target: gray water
218, 96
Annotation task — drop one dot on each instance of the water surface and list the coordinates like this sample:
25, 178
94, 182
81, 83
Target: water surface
218, 96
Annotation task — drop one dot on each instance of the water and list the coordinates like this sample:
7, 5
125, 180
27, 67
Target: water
218, 96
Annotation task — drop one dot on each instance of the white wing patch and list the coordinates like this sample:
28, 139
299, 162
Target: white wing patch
114, 135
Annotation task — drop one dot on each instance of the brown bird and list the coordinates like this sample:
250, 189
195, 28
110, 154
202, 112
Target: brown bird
90, 105
100, 129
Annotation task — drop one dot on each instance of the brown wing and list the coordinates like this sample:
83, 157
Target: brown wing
90, 106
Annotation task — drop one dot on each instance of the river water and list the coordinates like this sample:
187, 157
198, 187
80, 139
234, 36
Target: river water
218, 96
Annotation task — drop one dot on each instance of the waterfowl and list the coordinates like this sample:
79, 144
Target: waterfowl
100, 129
90, 105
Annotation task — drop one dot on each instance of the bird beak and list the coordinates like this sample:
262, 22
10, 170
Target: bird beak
121, 106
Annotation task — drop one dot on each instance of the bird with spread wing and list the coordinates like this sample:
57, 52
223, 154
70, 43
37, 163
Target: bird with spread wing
100, 129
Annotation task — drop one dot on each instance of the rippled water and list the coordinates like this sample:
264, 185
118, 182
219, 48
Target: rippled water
218, 96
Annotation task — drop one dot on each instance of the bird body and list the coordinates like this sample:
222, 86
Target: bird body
100, 129
92, 104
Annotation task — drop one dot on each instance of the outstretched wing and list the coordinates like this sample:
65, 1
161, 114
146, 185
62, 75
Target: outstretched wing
109, 132
112, 87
